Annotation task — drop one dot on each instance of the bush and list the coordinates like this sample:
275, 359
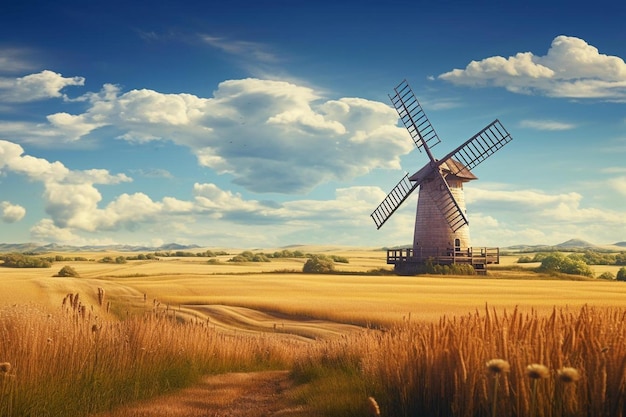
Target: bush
572, 265
248, 256
621, 274
67, 271
340, 259
318, 264
110, 260
607, 275
455, 269
17, 260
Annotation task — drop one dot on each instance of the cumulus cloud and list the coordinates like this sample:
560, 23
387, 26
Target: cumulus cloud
76, 208
572, 68
72, 127
71, 197
46, 231
537, 217
43, 85
11, 213
271, 136
531, 204
546, 125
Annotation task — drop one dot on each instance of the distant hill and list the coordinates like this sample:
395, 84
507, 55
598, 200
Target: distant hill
529, 248
575, 243
569, 245
54, 247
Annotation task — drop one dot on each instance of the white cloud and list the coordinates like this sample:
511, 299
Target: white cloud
46, 231
537, 207
11, 213
546, 125
271, 136
571, 68
508, 217
72, 127
619, 184
33, 87
74, 203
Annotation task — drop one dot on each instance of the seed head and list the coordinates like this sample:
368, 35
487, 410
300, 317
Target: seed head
5, 367
373, 407
568, 375
498, 366
537, 371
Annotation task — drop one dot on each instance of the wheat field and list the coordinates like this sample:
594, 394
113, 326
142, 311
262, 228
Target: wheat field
419, 345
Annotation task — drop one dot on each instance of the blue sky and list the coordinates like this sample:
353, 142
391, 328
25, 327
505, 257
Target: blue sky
263, 124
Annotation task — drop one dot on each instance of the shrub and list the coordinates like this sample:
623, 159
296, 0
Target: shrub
340, 259
318, 264
557, 262
110, 260
248, 256
621, 274
607, 275
67, 271
17, 260
429, 267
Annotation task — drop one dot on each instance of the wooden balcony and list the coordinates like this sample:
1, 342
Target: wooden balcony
479, 257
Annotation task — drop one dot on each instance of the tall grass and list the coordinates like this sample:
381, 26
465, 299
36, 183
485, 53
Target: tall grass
73, 363
568, 363
439, 369
565, 364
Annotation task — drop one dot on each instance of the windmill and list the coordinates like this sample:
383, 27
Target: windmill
441, 227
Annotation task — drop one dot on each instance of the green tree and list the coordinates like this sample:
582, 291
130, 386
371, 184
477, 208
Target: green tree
557, 262
621, 274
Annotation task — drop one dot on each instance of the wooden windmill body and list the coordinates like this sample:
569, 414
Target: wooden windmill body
432, 230
441, 233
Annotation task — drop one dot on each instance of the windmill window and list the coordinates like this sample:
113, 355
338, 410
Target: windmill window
457, 243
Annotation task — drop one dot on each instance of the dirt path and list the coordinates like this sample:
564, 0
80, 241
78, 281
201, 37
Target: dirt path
254, 394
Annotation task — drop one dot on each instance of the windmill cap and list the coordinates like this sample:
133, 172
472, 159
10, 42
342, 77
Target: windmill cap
449, 166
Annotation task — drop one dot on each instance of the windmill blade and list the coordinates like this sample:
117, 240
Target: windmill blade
394, 199
413, 117
479, 147
446, 203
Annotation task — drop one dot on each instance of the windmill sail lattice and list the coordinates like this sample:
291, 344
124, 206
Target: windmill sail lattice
480, 146
413, 117
394, 199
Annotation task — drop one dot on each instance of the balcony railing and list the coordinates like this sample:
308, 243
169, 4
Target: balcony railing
446, 256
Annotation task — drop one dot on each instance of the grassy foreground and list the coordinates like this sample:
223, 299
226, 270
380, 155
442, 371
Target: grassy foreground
162, 325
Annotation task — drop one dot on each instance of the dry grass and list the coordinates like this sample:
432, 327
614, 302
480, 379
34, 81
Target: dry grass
72, 362
440, 369
171, 321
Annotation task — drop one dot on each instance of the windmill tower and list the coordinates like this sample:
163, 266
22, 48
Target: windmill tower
441, 226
